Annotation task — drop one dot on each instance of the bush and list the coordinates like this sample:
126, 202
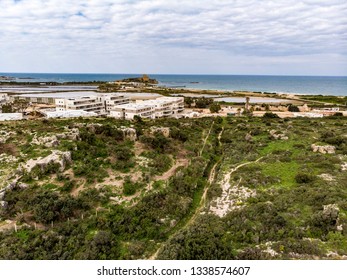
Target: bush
123, 153
293, 108
130, 188
215, 108
270, 115
303, 178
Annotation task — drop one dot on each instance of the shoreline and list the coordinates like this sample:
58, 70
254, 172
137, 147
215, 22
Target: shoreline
337, 100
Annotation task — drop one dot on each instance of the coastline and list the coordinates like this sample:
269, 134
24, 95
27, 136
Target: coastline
292, 85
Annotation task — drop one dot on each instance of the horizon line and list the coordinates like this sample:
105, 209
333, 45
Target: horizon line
174, 74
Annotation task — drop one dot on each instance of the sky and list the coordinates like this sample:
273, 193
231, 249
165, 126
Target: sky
262, 37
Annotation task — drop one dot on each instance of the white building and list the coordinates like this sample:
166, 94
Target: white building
129, 111
11, 116
99, 103
158, 108
308, 115
166, 106
68, 114
87, 103
112, 99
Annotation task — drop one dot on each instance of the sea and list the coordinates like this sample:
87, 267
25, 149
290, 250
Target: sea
314, 85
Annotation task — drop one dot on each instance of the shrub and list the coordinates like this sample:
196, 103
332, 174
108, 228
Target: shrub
303, 178
270, 115
215, 108
293, 108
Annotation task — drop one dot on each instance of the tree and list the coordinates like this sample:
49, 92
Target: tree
215, 108
7, 108
189, 101
138, 119
203, 102
20, 105
293, 108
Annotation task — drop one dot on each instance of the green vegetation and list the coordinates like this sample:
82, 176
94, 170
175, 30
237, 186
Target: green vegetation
127, 198
337, 100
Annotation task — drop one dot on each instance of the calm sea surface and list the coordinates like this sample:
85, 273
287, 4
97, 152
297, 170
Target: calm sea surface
280, 84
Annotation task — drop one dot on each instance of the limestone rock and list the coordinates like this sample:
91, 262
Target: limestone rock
173, 223
248, 137
328, 149
56, 157
129, 133
3, 204
48, 141
4, 158
2, 195
330, 212
5, 135
278, 136
22, 185
92, 127
71, 134
164, 130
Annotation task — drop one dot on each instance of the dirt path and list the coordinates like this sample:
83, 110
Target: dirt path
172, 170
202, 199
205, 140
77, 190
226, 202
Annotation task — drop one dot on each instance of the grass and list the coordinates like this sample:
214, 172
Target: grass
286, 171
280, 145
23, 235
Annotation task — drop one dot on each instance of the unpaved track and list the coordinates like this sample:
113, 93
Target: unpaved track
202, 199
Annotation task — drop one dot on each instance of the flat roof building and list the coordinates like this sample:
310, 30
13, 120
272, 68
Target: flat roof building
158, 108
110, 100
129, 111
11, 116
68, 114
86, 103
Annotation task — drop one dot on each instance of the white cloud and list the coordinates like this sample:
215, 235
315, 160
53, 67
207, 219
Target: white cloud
51, 30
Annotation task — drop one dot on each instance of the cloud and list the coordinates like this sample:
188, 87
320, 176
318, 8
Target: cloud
132, 29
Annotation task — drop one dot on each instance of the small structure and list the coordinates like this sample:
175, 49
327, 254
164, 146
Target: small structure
308, 115
11, 116
69, 114
247, 104
3, 98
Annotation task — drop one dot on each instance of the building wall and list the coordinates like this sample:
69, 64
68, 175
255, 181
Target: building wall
158, 108
103, 103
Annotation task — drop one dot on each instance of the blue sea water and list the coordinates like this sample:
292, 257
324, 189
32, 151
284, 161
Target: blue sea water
280, 84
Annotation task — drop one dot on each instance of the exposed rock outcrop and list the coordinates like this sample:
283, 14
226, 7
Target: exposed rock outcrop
328, 149
330, 212
71, 134
232, 197
56, 157
47, 141
10, 186
129, 133
3, 204
248, 137
278, 136
4, 158
5, 135
164, 130
92, 127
